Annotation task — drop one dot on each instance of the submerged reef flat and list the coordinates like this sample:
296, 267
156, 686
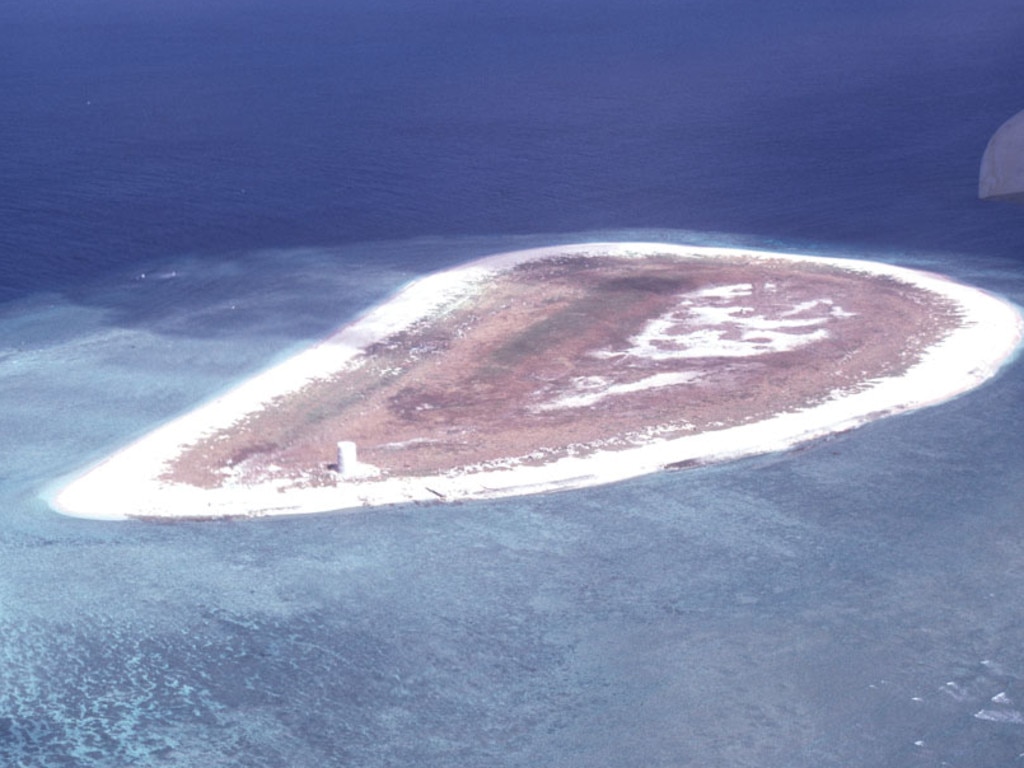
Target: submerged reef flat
564, 367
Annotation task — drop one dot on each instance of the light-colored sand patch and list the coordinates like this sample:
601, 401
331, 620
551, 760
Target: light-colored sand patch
723, 329
591, 390
131, 484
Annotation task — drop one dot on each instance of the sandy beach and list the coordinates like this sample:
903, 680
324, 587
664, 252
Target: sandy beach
134, 482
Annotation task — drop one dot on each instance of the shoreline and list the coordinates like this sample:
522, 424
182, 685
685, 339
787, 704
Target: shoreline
987, 338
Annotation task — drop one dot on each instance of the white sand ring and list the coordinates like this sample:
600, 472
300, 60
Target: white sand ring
988, 336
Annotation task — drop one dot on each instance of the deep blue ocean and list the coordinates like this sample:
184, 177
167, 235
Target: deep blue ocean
190, 191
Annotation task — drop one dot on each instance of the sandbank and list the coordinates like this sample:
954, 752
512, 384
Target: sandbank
133, 482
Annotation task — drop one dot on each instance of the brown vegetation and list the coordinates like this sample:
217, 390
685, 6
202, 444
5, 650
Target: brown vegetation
476, 385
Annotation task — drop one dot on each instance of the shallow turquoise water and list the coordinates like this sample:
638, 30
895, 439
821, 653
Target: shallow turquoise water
830, 606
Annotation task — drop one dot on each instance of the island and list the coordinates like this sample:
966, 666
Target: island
558, 368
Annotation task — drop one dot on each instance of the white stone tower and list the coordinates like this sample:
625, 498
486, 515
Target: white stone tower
348, 465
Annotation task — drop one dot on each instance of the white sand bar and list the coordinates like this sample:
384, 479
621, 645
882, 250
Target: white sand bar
129, 484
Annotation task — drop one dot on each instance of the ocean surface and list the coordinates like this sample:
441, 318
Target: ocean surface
191, 191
